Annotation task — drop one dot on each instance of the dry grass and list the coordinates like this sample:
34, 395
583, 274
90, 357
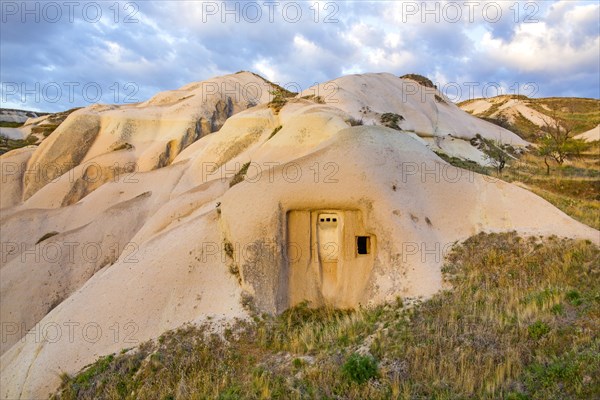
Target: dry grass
573, 188
521, 322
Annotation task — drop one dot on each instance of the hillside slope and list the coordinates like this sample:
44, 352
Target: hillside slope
527, 115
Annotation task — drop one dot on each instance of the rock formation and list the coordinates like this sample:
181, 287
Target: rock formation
143, 219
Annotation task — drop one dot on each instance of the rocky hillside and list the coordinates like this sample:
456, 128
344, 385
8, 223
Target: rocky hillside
526, 116
36, 128
232, 196
9, 115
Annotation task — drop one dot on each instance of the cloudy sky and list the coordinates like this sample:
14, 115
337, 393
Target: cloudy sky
59, 55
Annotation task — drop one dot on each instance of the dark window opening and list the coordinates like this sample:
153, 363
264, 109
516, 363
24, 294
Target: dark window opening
363, 244
328, 219
322, 219
335, 220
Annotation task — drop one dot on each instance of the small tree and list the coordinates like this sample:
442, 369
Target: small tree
557, 141
495, 154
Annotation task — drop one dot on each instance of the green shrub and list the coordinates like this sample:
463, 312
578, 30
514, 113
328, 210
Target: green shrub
538, 329
574, 297
359, 368
85, 378
122, 389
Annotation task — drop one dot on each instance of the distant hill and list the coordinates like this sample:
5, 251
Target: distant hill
12, 118
35, 127
525, 116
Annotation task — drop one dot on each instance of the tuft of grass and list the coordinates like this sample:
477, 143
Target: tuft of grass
538, 329
359, 368
354, 122
494, 334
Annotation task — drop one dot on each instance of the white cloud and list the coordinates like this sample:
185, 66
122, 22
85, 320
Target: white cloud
176, 42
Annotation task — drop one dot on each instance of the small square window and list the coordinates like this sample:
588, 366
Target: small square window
363, 244
328, 219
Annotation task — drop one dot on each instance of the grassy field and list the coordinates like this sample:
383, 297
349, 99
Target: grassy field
521, 322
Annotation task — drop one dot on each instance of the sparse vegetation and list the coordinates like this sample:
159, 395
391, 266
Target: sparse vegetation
496, 153
7, 144
420, 79
122, 146
228, 248
464, 164
280, 98
573, 188
44, 129
240, 175
520, 322
579, 113
391, 120
520, 125
558, 143
562, 170
354, 122
275, 131
10, 124
316, 99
